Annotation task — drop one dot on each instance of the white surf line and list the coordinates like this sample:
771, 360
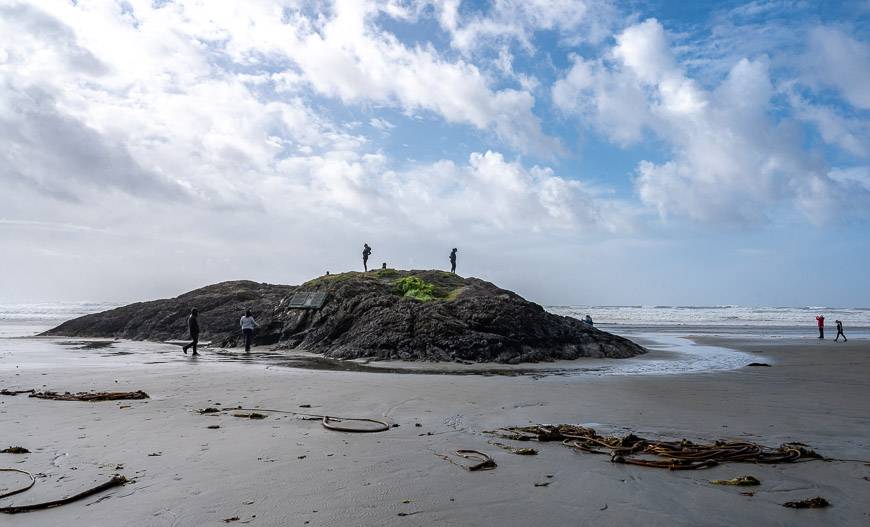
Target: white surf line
690, 358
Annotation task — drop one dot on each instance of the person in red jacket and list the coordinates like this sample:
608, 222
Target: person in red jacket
821, 320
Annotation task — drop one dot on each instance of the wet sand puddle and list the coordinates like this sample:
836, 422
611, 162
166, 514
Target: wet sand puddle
48, 352
668, 354
310, 362
88, 344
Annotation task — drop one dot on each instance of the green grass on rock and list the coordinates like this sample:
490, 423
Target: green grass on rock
413, 287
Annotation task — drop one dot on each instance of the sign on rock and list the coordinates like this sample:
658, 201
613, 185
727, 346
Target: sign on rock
307, 301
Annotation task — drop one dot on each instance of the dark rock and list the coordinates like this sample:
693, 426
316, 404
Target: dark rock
220, 307
810, 503
15, 450
366, 316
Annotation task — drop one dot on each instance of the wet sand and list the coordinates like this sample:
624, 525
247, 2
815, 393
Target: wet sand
285, 471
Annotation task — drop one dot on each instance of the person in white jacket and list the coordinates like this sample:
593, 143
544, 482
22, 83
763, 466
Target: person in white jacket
248, 324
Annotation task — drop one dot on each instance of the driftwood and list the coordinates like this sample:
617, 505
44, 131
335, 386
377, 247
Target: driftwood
91, 396
80, 396
15, 392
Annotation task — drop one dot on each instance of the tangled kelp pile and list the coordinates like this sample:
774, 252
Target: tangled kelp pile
672, 455
115, 481
483, 461
339, 424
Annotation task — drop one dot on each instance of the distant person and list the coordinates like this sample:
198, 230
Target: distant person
193, 327
840, 332
248, 324
367, 251
820, 320
453, 260
588, 320
384, 266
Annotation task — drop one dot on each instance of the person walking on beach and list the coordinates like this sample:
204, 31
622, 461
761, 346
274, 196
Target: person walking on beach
367, 251
248, 324
193, 327
820, 319
840, 332
453, 260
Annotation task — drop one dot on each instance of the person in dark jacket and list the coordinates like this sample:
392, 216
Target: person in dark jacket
367, 251
193, 327
453, 260
840, 332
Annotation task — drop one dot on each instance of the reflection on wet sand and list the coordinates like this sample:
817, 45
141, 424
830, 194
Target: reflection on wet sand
668, 354
87, 344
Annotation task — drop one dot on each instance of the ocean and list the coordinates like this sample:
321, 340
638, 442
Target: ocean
664, 330
756, 322
26, 320
30, 319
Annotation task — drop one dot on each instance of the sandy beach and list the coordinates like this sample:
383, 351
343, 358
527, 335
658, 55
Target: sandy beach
285, 471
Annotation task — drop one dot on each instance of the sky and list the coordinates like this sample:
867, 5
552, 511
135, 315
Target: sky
578, 152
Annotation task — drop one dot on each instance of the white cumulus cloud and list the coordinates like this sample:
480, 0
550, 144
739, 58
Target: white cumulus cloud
730, 159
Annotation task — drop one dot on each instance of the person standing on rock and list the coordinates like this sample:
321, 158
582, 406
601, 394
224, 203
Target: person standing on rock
453, 260
840, 332
248, 324
193, 327
367, 251
820, 320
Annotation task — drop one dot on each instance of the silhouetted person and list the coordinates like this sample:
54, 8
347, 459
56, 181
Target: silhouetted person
384, 266
248, 324
820, 319
840, 332
453, 260
367, 251
193, 327
588, 320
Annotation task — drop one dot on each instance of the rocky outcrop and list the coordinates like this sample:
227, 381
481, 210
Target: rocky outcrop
367, 315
